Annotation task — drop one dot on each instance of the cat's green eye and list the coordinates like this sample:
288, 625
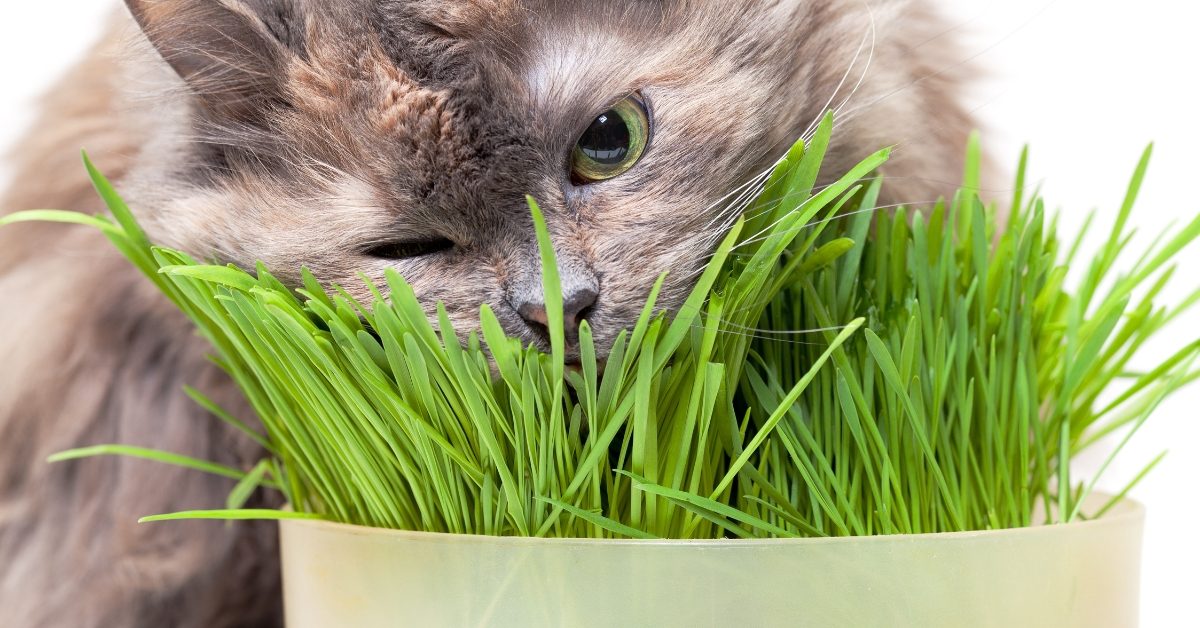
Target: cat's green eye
613, 143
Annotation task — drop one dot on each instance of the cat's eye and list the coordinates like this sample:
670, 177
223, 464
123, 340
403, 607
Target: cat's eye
613, 143
409, 249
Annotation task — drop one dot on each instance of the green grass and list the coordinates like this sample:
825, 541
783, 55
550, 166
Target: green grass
836, 371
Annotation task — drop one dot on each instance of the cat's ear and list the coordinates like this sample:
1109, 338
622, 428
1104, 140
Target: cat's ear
231, 53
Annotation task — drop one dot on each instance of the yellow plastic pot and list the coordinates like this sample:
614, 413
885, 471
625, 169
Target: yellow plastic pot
1082, 575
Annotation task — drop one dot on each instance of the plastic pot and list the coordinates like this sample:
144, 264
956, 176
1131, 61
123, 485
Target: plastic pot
1078, 575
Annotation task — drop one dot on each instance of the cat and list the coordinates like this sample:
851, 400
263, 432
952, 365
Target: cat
353, 136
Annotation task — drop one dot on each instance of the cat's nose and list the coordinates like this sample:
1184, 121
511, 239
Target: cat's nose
576, 307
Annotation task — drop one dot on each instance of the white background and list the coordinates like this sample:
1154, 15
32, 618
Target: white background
1088, 83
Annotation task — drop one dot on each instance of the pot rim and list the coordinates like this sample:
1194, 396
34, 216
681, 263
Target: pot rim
1126, 511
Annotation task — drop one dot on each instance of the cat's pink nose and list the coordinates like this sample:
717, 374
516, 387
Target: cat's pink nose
576, 308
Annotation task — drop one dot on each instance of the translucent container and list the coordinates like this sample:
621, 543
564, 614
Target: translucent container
1078, 575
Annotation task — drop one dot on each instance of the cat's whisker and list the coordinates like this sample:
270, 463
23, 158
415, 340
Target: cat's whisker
736, 190
768, 333
812, 127
738, 207
735, 194
771, 206
847, 214
775, 204
773, 339
738, 211
760, 235
781, 336
750, 188
872, 34
755, 185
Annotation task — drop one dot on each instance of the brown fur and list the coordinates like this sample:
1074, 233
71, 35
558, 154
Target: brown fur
303, 134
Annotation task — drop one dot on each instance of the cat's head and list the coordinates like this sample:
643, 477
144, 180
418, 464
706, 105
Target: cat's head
356, 136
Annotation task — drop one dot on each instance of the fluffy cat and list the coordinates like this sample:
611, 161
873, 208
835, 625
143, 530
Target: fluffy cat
355, 135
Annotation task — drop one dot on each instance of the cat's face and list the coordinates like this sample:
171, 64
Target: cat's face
353, 137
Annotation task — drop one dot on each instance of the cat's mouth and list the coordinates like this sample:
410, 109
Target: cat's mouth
576, 366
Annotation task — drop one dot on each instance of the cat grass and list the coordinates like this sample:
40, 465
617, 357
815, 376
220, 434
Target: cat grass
836, 371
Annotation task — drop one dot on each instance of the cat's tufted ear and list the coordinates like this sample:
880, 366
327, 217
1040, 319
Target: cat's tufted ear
231, 53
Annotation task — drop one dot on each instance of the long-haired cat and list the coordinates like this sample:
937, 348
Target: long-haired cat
360, 135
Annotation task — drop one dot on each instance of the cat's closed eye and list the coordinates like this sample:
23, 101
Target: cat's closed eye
613, 143
407, 249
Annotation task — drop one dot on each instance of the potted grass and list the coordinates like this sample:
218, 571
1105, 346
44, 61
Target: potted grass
854, 419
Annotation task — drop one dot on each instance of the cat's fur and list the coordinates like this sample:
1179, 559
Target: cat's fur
305, 131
